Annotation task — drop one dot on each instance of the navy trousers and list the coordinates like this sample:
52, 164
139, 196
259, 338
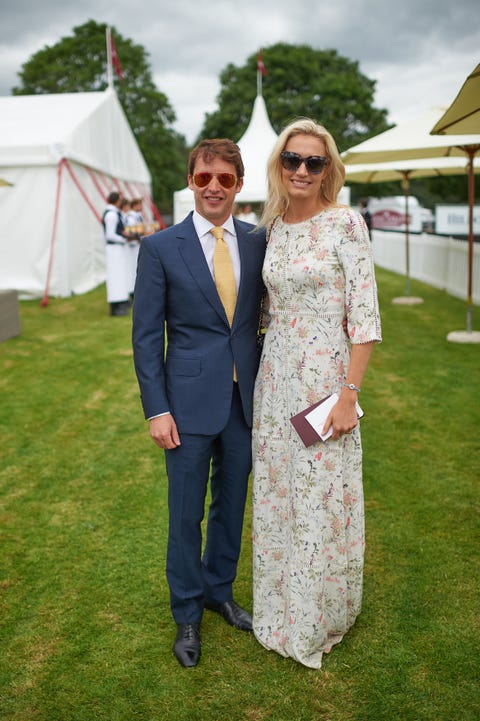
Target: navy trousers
227, 459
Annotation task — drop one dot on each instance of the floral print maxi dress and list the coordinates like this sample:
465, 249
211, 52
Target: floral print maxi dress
308, 517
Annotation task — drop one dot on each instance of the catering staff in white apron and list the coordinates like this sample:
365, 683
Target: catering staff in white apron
118, 277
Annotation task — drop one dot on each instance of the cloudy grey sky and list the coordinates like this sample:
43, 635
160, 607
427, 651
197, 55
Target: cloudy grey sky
418, 51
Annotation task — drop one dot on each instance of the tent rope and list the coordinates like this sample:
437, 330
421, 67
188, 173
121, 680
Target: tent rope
82, 192
64, 163
105, 182
96, 184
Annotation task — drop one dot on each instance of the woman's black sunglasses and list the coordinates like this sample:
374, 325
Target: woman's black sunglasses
314, 163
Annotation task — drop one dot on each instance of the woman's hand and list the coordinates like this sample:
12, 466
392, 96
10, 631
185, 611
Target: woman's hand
343, 416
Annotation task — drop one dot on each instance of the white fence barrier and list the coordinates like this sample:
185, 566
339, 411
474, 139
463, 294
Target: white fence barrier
434, 259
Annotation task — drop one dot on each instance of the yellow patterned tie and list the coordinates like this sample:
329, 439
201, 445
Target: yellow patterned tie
224, 277
223, 274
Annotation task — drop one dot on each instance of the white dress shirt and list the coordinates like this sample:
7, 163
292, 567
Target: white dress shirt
207, 241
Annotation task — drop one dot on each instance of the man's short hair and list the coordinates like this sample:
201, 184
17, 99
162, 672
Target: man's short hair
222, 148
113, 197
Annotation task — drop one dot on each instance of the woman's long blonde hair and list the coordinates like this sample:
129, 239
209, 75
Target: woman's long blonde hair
277, 197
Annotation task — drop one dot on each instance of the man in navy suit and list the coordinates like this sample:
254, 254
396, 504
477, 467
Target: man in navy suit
196, 373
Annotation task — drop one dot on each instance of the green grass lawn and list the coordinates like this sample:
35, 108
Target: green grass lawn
86, 631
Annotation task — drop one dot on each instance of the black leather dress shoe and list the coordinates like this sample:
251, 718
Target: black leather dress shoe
187, 644
233, 614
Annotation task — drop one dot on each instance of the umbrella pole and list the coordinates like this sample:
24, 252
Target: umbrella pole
471, 151
469, 336
407, 299
406, 191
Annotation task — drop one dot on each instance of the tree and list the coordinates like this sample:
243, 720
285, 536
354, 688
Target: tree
78, 64
300, 81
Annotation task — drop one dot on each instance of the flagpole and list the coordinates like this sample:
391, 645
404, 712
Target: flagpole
109, 57
261, 70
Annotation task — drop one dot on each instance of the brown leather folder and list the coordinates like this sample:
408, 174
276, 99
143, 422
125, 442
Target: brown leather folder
304, 429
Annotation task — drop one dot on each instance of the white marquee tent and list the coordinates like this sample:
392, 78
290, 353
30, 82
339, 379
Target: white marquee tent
256, 144
62, 154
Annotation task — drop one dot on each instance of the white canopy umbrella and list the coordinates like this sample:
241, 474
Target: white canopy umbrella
463, 115
412, 141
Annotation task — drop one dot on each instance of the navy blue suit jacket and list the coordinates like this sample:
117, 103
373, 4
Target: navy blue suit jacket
176, 305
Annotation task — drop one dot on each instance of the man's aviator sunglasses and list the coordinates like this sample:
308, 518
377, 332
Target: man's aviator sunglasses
226, 180
292, 161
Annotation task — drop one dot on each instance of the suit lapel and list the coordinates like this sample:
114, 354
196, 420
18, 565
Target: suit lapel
192, 253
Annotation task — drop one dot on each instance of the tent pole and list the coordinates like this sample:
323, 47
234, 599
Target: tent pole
44, 301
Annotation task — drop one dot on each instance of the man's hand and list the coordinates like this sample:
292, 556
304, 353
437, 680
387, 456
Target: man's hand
163, 431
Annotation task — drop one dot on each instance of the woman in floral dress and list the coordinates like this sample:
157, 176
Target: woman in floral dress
308, 533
